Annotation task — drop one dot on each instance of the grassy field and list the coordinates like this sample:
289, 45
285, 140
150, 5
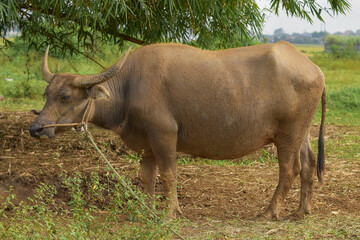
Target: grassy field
342, 77
45, 219
20, 71
20, 78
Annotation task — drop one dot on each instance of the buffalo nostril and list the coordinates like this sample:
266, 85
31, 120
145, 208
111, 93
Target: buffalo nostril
35, 130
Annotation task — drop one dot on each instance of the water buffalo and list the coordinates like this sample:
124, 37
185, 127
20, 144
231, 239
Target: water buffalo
168, 98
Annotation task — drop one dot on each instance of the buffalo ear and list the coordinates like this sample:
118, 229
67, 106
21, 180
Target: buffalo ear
97, 92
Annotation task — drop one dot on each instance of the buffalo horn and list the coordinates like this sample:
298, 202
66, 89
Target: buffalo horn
87, 81
47, 75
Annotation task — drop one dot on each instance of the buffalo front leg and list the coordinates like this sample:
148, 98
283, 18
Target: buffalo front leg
164, 149
289, 168
147, 175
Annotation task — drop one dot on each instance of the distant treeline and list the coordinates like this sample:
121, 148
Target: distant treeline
297, 38
313, 37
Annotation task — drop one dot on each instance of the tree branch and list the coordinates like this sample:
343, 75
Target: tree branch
49, 35
63, 15
70, 46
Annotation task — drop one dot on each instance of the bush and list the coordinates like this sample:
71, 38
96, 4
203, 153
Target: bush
344, 51
343, 46
342, 40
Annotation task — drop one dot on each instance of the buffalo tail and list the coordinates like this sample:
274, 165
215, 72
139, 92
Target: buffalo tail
321, 153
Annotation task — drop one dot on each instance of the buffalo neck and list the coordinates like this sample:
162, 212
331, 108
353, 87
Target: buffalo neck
110, 113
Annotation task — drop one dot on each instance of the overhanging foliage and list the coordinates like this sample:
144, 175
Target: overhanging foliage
70, 25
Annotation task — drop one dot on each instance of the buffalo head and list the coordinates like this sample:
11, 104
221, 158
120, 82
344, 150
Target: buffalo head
67, 96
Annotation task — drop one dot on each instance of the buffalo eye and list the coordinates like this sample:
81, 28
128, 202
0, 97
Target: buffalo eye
65, 98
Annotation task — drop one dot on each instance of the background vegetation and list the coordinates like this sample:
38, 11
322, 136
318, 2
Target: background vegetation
20, 76
343, 46
342, 40
342, 84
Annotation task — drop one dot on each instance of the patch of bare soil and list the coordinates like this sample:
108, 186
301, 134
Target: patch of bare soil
205, 191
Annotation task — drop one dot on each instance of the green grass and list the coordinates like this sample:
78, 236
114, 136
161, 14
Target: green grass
309, 50
21, 104
345, 146
312, 227
224, 162
265, 158
342, 79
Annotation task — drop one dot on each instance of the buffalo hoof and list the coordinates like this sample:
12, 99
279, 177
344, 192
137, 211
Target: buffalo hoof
178, 211
173, 214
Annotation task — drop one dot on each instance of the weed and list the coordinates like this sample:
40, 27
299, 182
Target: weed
81, 217
185, 160
265, 156
132, 157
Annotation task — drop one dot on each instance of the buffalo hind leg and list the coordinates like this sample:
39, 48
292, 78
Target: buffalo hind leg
147, 175
308, 166
289, 168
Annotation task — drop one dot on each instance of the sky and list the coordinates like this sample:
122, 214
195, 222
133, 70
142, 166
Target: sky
341, 23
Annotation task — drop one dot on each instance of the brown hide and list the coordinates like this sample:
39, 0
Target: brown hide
214, 104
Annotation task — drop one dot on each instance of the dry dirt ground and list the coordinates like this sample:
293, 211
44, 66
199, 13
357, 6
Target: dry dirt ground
205, 191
